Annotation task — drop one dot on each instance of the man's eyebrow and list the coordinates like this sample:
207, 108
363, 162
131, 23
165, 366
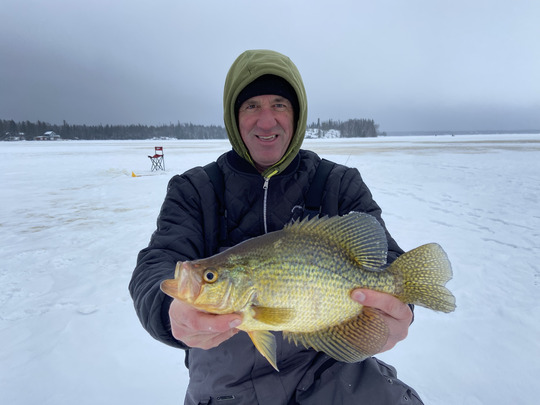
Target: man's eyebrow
276, 99
250, 100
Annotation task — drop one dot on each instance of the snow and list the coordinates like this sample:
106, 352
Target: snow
313, 133
73, 220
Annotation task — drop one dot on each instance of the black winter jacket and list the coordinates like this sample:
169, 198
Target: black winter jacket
188, 228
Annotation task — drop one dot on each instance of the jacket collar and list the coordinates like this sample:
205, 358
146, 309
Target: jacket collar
240, 164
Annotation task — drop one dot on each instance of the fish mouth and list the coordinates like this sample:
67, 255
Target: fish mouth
186, 284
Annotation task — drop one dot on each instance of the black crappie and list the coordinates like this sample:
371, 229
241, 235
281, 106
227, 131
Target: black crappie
298, 280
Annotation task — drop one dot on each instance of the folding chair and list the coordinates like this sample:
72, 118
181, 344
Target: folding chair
158, 160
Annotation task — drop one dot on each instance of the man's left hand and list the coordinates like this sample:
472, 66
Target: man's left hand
397, 315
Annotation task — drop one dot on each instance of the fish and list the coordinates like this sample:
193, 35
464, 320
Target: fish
299, 280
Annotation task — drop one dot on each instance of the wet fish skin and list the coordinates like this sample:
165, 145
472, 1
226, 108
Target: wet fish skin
298, 280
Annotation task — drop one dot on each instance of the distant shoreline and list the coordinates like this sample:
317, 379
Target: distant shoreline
484, 132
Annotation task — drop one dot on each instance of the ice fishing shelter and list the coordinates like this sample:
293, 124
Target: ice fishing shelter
158, 160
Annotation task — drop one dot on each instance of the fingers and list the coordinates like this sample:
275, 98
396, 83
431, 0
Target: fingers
396, 314
200, 329
387, 303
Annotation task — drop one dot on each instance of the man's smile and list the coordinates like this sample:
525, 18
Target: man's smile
267, 138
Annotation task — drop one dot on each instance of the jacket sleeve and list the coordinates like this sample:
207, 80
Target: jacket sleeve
179, 236
354, 195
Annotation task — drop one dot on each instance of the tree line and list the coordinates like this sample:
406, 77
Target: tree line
29, 130
353, 128
116, 132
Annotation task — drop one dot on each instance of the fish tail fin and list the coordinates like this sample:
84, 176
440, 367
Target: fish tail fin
425, 271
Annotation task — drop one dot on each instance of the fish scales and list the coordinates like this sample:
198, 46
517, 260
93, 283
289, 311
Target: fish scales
298, 280
322, 262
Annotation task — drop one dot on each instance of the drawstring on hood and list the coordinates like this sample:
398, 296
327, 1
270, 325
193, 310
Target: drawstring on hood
248, 67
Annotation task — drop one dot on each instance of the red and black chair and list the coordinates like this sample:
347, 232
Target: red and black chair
158, 160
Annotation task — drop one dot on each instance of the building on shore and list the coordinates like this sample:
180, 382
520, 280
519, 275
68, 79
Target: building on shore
48, 136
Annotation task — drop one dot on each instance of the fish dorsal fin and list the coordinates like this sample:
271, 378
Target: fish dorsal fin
359, 234
272, 316
351, 341
265, 343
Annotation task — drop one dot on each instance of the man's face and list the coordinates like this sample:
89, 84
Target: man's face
266, 124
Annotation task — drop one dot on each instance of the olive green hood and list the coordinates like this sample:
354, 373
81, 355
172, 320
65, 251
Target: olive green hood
249, 66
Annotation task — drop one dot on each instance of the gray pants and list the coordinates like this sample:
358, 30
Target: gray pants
371, 382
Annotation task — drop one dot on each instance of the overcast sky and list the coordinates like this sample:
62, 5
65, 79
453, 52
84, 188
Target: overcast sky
407, 64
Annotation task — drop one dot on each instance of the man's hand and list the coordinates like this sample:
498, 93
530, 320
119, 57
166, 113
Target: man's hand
397, 315
200, 329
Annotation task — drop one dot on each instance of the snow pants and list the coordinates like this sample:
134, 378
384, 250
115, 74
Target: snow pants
371, 382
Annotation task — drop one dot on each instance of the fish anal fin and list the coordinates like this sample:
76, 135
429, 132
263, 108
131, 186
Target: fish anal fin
272, 316
351, 341
265, 343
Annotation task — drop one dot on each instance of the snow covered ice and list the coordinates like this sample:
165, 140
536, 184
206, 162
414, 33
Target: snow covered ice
73, 220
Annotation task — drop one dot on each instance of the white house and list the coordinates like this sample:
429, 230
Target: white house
48, 136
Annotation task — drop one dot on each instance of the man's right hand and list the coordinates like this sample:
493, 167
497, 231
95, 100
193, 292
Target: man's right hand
201, 329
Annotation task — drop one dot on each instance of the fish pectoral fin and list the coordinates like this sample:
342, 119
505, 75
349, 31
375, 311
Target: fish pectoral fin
272, 316
351, 341
265, 342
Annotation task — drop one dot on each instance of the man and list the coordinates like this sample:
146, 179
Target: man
266, 179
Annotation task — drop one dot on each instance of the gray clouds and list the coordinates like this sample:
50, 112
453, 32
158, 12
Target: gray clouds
415, 65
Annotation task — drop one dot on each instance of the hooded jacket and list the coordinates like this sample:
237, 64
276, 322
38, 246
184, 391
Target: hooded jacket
248, 67
188, 228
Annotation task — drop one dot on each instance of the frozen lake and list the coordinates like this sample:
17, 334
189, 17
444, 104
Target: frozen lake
73, 219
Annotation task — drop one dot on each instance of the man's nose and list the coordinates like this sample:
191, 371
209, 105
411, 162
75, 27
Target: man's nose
266, 119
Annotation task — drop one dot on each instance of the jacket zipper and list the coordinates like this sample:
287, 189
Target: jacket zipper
265, 188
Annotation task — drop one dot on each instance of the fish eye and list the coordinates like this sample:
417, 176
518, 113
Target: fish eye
210, 276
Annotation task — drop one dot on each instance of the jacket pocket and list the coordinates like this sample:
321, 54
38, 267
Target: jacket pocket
237, 398
223, 399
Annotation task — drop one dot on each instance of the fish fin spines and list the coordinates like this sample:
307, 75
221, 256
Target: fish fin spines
351, 341
424, 272
358, 233
265, 342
